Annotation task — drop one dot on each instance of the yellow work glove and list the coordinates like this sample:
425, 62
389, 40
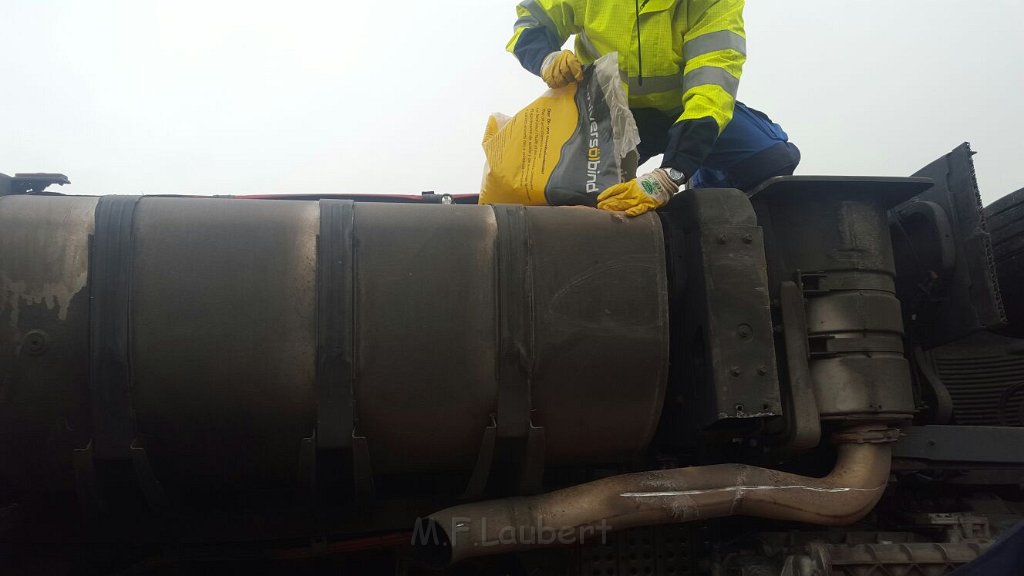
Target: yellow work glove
561, 69
640, 195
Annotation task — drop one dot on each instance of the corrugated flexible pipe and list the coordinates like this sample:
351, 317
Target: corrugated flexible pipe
589, 511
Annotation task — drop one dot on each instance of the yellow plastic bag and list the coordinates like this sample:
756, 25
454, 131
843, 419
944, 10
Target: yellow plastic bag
566, 147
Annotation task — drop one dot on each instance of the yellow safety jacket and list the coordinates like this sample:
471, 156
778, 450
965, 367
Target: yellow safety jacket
683, 53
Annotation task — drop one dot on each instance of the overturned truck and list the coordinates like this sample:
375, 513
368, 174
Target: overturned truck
815, 378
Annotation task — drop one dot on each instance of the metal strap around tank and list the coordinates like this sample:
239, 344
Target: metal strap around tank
109, 372
515, 322
514, 444
114, 452
335, 420
344, 456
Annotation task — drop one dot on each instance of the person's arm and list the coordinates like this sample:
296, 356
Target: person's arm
714, 49
541, 30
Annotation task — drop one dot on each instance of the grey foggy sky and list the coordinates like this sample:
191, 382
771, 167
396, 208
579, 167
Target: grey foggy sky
208, 97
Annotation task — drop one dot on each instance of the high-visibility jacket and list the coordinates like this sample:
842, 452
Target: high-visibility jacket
686, 54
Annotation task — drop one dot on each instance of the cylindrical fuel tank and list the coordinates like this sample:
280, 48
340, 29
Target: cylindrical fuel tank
221, 344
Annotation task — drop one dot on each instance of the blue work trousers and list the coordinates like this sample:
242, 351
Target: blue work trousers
749, 151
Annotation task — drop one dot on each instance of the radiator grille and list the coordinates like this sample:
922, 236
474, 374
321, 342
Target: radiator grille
987, 390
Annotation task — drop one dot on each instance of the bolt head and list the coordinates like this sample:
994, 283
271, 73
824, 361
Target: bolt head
744, 331
35, 343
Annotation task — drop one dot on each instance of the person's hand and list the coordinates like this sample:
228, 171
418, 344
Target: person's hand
640, 195
561, 69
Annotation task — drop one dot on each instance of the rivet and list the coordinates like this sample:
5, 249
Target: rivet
35, 343
735, 371
747, 239
722, 239
762, 370
744, 331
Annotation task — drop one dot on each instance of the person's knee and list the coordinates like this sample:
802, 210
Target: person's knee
779, 160
794, 160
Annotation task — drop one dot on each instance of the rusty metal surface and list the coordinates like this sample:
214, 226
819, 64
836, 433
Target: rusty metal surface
44, 335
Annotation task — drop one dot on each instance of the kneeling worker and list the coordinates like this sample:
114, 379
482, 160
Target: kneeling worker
682, 60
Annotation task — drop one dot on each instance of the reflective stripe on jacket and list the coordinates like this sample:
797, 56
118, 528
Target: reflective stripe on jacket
692, 51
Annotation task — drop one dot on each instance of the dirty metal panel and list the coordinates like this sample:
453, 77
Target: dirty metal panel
803, 421
44, 336
425, 381
223, 340
978, 444
965, 298
801, 214
601, 331
724, 316
831, 236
